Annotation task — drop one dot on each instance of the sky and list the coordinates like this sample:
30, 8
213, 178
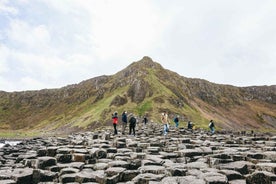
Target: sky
51, 44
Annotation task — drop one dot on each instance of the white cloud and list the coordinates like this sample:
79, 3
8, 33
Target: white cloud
4, 53
4, 8
30, 83
54, 43
122, 25
27, 37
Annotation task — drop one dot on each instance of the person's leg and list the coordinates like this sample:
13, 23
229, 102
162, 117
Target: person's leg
115, 130
133, 130
165, 129
123, 127
130, 127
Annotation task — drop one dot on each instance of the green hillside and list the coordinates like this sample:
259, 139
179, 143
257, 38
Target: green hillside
144, 87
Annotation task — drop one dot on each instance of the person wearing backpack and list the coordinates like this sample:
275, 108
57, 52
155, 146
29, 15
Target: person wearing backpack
212, 126
132, 124
190, 125
124, 122
115, 122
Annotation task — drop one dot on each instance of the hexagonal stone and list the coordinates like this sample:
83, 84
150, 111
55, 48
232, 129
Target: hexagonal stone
43, 162
261, 177
153, 169
24, 175
146, 177
240, 166
215, 178
231, 174
270, 167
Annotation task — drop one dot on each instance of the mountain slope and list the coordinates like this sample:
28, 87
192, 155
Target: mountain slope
143, 87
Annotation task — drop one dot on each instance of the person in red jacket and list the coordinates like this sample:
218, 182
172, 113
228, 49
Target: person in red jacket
115, 122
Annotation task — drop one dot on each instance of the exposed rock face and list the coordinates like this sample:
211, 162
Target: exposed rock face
138, 90
149, 157
119, 100
264, 93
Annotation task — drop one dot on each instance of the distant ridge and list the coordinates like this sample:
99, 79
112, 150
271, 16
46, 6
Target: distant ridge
142, 87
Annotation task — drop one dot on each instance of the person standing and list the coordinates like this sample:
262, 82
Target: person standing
176, 121
124, 122
212, 126
190, 125
145, 119
132, 125
115, 122
164, 120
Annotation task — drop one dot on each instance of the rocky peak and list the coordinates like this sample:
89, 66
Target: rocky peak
137, 70
147, 62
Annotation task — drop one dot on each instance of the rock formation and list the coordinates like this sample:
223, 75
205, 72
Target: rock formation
181, 157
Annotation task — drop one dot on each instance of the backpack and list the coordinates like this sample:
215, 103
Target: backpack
211, 124
132, 121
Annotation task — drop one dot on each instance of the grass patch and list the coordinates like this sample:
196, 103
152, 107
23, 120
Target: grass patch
18, 134
93, 113
156, 85
143, 108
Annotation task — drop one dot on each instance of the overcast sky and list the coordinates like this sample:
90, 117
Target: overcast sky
53, 43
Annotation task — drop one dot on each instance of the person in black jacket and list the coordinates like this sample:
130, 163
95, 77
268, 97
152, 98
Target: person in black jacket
132, 124
124, 122
212, 126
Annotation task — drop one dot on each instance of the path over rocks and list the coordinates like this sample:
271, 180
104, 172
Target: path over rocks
181, 157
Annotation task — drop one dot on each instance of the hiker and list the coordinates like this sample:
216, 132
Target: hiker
164, 120
115, 122
124, 122
176, 121
190, 125
132, 124
212, 126
145, 119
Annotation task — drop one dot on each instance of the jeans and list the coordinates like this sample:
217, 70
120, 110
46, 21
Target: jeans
166, 129
212, 130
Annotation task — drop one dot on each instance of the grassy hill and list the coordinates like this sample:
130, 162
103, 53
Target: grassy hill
144, 87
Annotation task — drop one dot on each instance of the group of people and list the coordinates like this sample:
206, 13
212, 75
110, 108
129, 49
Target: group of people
166, 125
164, 119
125, 119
